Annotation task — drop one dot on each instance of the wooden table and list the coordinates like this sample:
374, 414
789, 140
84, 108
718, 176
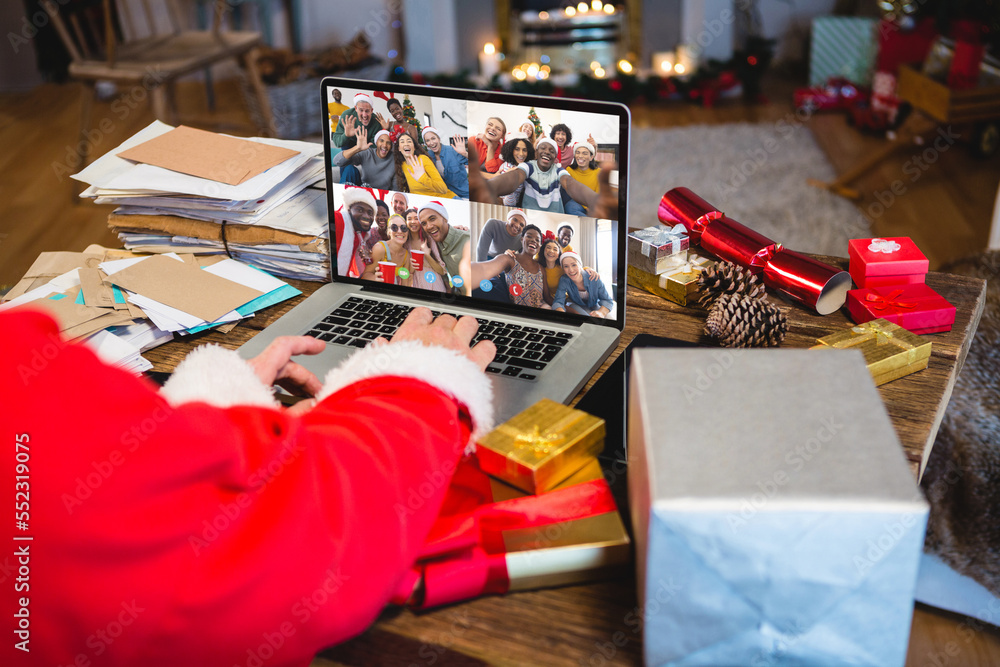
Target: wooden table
599, 624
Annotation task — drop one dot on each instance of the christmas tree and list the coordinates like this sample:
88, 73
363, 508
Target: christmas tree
533, 117
411, 115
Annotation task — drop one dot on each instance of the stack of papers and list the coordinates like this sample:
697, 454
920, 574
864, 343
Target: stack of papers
122, 307
186, 190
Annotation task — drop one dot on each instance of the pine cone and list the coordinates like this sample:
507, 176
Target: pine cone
728, 278
738, 320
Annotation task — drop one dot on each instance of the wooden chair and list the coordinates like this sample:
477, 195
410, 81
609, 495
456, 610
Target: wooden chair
153, 62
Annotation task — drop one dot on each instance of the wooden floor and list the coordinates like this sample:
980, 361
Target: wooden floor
946, 209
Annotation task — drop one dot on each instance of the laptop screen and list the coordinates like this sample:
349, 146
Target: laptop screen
534, 227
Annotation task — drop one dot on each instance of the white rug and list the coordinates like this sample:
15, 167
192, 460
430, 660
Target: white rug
755, 174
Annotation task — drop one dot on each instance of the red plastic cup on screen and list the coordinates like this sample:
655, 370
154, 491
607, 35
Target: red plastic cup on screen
418, 259
388, 270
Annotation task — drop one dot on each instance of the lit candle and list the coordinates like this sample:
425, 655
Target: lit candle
488, 63
663, 63
686, 60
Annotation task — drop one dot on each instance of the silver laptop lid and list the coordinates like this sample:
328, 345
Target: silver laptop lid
412, 161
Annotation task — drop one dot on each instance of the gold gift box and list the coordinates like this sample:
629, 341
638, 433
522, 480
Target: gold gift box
890, 350
678, 284
567, 552
541, 446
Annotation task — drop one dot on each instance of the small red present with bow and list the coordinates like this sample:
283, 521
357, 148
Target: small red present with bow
916, 308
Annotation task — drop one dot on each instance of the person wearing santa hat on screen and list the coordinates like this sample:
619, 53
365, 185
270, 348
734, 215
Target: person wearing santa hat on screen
352, 222
203, 523
359, 116
452, 243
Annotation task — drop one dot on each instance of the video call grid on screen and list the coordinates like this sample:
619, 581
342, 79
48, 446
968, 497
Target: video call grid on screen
467, 270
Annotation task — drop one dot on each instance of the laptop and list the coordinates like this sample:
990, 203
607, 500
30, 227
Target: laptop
542, 352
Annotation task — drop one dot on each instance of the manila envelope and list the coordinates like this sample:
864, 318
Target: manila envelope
208, 155
185, 287
66, 311
46, 266
95, 291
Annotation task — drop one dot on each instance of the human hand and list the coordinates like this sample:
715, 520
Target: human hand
350, 126
510, 253
275, 366
607, 197
416, 165
591, 141
479, 189
363, 139
593, 275
446, 332
461, 145
382, 121
597, 313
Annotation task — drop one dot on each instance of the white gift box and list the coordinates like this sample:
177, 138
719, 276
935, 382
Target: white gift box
776, 519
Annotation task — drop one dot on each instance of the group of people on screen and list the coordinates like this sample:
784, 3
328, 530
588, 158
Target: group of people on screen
387, 239
524, 167
536, 268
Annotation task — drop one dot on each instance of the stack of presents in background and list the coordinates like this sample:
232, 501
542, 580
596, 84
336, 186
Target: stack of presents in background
869, 53
530, 509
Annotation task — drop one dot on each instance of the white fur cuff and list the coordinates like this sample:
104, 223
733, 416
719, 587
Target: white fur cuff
217, 376
449, 371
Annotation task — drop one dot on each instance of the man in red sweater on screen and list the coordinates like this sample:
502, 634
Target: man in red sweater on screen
203, 524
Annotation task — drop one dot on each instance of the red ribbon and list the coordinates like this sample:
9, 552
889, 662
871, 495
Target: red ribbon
879, 302
464, 556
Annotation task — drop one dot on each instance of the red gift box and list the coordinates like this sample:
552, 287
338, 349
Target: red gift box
493, 538
880, 262
916, 308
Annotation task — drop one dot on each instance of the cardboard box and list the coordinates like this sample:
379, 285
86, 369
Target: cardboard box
881, 262
775, 518
658, 248
541, 446
917, 308
890, 351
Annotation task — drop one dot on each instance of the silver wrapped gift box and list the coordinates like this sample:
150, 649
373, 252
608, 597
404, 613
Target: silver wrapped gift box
659, 248
776, 519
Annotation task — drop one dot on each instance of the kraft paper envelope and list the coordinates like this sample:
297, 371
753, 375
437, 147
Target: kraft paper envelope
66, 311
184, 287
215, 157
46, 266
95, 291
111, 319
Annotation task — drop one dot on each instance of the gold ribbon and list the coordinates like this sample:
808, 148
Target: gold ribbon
694, 263
540, 444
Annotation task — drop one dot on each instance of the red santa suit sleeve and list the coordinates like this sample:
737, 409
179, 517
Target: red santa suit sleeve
204, 525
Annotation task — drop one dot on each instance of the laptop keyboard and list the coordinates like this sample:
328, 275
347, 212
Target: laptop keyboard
522, 351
